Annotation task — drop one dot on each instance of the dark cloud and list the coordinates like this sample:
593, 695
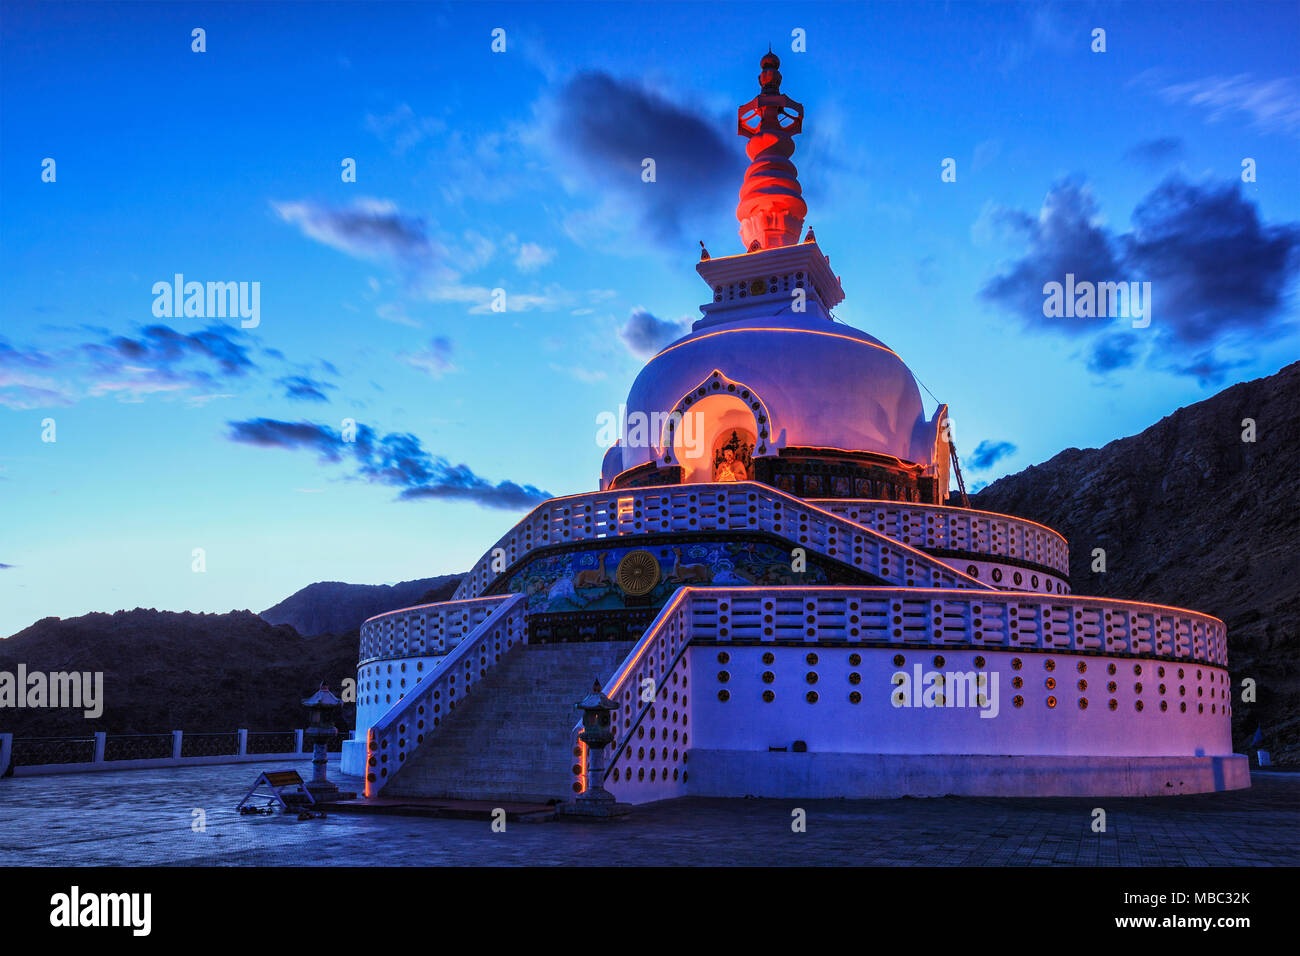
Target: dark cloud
1219, 275
1063, 238
989, 453
301, 388
1110, 352
1207, 368
608, 126
396, 459
367, 229
163, 350
269, 433
1213, 266
1155, 152
470, 487
644, 334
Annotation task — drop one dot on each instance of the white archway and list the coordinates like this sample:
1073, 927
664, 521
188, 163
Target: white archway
705, 418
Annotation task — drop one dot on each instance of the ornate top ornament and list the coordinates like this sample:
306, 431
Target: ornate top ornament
771, 210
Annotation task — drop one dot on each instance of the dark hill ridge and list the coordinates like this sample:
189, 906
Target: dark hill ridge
165, 670
332, 607
1191, 515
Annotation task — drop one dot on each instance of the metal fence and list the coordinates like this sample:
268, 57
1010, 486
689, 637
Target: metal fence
98, 751
34, 751
137, 747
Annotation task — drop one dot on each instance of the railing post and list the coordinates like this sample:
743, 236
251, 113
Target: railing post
100, 740
176, 745
6, 752
243, 743
297, 741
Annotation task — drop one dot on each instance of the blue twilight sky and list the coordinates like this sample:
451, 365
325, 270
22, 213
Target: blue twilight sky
521, 170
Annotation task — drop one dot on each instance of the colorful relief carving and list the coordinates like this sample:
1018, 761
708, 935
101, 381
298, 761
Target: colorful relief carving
586, 581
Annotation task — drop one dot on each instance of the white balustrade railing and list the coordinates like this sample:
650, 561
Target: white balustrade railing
730, 506
641, 681
426, 630
397, 734
1007, 619
956, 529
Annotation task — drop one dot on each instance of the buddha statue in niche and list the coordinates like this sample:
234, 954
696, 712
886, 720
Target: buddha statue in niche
732, 457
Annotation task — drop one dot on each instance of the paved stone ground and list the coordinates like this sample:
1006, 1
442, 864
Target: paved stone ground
143, 817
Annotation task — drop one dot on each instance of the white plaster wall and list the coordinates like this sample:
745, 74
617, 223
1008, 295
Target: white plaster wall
875, 725
380, 684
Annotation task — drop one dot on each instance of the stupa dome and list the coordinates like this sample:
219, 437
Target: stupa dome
818, 384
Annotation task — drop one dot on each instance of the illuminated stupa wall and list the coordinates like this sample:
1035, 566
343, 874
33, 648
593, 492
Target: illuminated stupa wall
806, 615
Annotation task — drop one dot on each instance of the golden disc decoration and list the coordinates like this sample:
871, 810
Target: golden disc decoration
638, 572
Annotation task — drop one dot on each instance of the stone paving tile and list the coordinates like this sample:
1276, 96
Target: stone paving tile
143, 817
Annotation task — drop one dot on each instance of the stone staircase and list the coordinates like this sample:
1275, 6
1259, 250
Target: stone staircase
509, 739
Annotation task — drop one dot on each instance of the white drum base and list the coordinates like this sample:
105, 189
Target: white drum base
736, 773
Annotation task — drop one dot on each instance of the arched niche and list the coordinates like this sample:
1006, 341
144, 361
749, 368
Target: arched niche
701, 427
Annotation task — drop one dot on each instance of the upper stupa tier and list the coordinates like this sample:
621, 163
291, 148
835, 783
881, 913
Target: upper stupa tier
771, 209
786, 279
776, 272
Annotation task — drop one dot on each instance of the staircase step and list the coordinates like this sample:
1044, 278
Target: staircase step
509, 738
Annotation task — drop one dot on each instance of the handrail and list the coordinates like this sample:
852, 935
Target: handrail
645, 709
421, 607
1053, 544
715, 506
615, 684
934, 617
387, 738
441, 625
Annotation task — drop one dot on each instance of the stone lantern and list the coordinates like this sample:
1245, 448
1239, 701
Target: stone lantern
320, 732
596, 801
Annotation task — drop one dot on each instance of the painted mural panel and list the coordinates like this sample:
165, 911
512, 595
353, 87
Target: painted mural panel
589, 580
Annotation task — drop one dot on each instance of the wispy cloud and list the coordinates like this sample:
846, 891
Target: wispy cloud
157, 360
23, 391
1271, 106
401, 129
434, 359
433, 267
581, 373
302, 388
531, 257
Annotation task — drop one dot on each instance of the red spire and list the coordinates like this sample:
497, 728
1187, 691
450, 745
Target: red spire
771, 206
